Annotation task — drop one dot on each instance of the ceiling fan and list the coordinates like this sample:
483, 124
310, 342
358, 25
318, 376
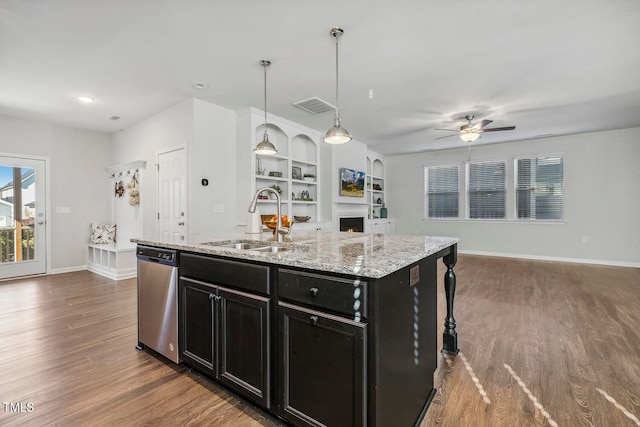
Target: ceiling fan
471, 132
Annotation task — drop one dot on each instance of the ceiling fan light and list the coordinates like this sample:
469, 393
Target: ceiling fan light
337, 134
469, 136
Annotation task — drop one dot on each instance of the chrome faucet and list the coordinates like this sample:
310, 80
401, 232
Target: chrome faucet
280, 230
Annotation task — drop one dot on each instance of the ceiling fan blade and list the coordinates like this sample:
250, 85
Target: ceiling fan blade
497, 129
481, 124
448, 130
442, 137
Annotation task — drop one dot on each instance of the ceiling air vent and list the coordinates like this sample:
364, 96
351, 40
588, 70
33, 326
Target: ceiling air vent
314, 105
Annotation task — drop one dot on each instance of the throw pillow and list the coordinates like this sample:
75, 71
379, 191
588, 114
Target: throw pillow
103, 233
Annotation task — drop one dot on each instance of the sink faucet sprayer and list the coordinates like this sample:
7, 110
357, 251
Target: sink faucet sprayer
280, 230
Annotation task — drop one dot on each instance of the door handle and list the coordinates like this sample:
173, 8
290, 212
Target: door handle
181, 223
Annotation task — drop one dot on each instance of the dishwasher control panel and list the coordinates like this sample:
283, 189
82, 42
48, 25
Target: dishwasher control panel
164, 256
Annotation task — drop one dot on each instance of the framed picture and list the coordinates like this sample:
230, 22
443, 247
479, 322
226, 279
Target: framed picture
296, 172
351, 183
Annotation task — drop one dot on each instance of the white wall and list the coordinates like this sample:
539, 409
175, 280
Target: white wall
602, 200
212, 155
78, 159
163, 131
207, 132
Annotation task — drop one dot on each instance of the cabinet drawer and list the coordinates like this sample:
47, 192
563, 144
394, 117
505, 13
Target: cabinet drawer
344, 296
239, 275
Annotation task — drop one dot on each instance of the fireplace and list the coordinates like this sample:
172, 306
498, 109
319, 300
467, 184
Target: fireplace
352, 224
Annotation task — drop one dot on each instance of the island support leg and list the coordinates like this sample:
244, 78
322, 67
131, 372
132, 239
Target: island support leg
450, 336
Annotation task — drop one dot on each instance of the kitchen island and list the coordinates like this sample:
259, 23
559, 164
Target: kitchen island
335, 329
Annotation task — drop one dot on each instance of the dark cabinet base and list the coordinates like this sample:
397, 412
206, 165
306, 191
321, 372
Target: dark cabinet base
319, 349
322, 368
226, 336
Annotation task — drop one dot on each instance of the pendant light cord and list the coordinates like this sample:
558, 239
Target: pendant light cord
265, 99
337, 36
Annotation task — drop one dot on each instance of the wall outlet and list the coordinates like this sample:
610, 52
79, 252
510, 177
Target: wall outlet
584, 239
218, 208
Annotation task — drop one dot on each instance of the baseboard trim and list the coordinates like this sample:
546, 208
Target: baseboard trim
556, 259
67, 269
112, 273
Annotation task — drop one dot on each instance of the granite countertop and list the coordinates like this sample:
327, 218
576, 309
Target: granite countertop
365, 255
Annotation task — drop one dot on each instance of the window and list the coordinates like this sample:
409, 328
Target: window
539, 188
442, 184
486, 190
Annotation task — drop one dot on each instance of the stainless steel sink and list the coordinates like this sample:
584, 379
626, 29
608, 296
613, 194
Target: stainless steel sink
248, 246
272, 249
243, 245
237, 244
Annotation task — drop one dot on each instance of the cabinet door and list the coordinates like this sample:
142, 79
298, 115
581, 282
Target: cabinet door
322, 368
198, 316
390, 227
244, 345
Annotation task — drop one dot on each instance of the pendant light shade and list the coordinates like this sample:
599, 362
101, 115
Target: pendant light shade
265, 146
337, 134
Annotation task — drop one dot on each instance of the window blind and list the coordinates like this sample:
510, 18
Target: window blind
442, 185
540, 188
486, 190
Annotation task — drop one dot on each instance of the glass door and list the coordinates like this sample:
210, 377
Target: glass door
22, 217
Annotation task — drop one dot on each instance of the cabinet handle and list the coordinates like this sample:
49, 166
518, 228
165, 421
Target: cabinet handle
313, 319
314, 292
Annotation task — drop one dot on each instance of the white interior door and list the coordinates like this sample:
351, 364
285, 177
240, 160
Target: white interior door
172, 195
23, 224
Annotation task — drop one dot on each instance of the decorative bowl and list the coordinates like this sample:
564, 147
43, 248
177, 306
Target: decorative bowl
301, 218
272, 220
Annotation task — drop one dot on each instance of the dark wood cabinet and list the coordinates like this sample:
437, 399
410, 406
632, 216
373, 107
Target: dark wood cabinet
225, 333
314, 348
198, 317
243, 343
323, 361
322, 368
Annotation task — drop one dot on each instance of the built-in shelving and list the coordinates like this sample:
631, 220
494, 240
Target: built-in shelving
375, 185
298, 150
116, 261
375, 182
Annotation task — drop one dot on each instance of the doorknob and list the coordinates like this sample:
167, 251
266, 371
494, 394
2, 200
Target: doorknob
40, 221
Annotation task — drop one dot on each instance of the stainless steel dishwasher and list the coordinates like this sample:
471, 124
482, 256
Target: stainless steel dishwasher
158, 301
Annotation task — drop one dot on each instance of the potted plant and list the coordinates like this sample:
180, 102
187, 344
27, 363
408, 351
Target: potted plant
309, 177
277, 188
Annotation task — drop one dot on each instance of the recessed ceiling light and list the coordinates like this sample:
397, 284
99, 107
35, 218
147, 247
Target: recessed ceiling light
200, 85
86, 99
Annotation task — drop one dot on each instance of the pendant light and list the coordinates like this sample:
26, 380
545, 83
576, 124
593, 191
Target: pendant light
337, 134
265, 147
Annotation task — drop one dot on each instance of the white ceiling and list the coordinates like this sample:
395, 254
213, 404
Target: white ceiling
547, 66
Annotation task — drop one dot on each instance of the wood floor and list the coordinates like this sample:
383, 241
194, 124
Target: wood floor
542, 344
